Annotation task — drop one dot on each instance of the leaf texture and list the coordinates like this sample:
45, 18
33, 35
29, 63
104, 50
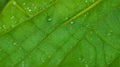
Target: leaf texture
60, 33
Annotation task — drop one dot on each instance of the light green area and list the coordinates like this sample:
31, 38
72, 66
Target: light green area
60, 33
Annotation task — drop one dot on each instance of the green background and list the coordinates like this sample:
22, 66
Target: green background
43, 33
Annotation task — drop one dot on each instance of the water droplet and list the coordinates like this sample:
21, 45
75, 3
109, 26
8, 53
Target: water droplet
4, 27
86, 65
42, 60
14, 3
23, 64
14, 43
91, 32
0, 50
40, 8
80, 58
0, 27
20, 48
49, 19
71, 22
12, 17
24, 3
83, 60
49, 56
93, 0
29, 9
86, 1
110, 33
13, 26
66, 18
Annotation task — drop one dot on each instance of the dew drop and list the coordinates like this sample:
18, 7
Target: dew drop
0, 27
13, 26
49, 56
12, 17
49, 19
86, 65
0, 50
42, 60
91, 32
20, 48
93, 0
23, 64
29, 9
66, 18
4, 27
14, 3
40, 8
86, 1
83, 60
14, 43
24, 3
71, 22
80, 58
110, 33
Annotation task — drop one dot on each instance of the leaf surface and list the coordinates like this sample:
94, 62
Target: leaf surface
60, 33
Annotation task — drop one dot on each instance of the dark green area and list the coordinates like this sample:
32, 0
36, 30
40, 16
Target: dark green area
2, 4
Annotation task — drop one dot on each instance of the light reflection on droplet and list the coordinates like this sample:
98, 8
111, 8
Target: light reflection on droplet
49, 19
71, 22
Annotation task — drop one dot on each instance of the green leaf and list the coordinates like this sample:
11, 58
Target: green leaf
60, 33
2, 4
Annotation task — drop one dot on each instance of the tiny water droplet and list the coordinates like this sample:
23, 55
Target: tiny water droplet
110, 33
80, 58
24, 3
42, 60
86, 1
93, 0
91, 32
29, 9
20, 48
49, 19
23, 64
12, 17
66, 18
13, 26
4, 27
49, 56
40, 8
0, 50
86, 65
83, 60
14, 43
71, 22
0, 27
14, 3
